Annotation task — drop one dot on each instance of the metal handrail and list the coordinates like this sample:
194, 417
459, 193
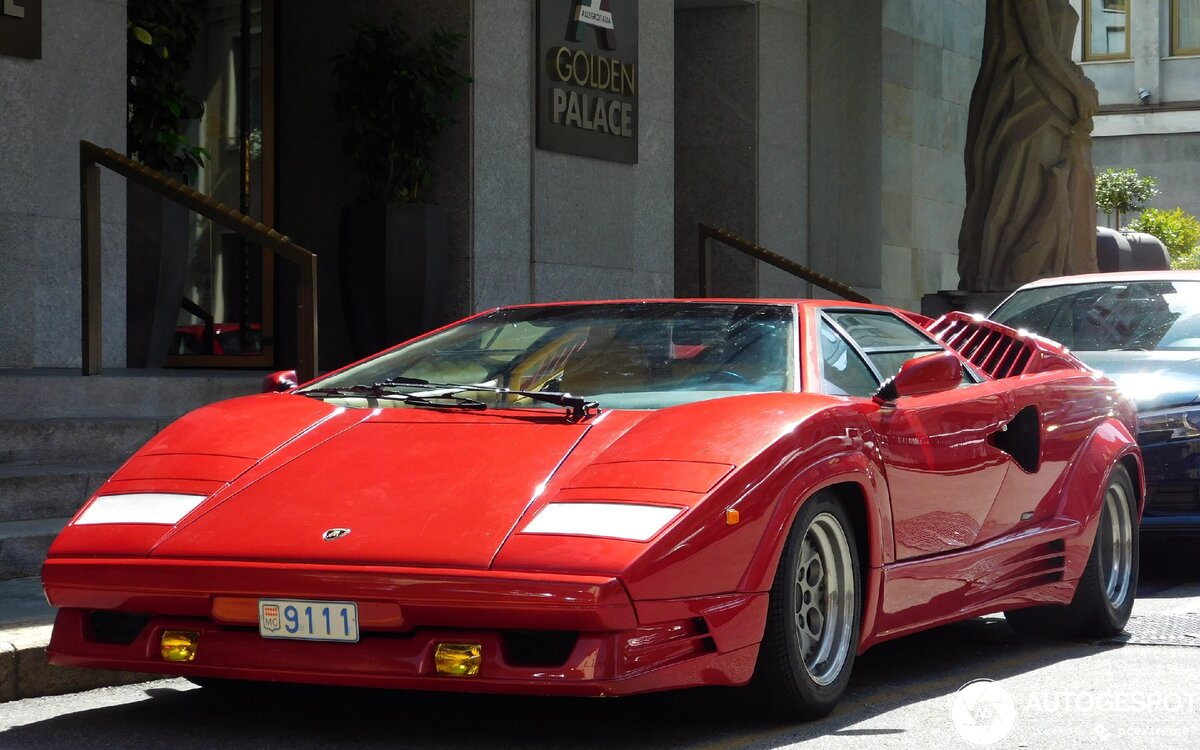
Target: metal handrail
758, 252
91, 158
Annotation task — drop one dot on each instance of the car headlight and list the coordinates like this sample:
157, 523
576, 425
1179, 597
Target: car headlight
615, 520
1169, 424
141, 507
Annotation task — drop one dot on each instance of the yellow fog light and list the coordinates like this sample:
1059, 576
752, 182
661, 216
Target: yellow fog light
179, 645
458, 659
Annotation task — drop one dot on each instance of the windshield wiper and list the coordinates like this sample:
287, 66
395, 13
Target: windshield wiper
579, 406
380, 390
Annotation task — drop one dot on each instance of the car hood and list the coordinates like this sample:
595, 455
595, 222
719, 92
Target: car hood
425, 487
412, 486
1154, 380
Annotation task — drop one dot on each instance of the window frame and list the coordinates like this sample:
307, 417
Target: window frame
1176, 49
852, 349
1085, 22
971, 377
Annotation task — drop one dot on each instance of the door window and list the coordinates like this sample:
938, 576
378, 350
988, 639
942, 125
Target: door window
887, 340
843, 371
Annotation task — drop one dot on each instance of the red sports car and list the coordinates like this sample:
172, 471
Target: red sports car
616, 497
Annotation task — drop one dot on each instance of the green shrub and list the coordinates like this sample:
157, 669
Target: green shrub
1178, 230
1187, 262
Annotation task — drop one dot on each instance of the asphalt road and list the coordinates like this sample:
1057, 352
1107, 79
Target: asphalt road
902, 695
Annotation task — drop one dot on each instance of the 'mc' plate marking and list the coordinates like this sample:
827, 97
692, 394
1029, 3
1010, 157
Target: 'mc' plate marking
307, 620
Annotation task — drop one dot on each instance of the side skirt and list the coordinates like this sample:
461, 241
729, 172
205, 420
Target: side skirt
1023, 569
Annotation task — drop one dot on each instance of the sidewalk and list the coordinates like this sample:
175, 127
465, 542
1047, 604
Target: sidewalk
25, 620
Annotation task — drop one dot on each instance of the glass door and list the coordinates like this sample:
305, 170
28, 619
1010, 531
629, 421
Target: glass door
226, 318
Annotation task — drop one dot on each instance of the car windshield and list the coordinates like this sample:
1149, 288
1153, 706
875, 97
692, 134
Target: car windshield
1128, 315
622, 355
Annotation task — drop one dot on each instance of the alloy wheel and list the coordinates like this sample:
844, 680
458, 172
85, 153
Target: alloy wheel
824, 610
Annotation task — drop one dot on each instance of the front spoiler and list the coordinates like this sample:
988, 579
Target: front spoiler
622, 647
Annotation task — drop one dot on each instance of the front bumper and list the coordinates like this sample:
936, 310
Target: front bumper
613, 646
1172, 487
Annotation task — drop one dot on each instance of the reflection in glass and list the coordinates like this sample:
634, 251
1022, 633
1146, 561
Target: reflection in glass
626, 356
1187, 27
1107, 25
225, 277
1141, 315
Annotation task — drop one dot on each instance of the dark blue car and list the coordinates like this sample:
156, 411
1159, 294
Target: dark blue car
1143, 330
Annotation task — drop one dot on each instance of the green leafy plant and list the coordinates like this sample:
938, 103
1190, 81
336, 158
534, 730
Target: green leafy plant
391, 103
1123, 190
161, 36
1188, 261
1177, 229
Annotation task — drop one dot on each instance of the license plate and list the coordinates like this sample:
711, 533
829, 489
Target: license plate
308, 620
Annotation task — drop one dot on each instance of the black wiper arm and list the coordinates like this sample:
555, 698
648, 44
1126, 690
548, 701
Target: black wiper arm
379, 390
580, 407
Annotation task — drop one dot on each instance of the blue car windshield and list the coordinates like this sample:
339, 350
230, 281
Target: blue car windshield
1130, 315
645, 355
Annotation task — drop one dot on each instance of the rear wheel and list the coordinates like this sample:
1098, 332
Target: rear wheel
813, 617
1104, 597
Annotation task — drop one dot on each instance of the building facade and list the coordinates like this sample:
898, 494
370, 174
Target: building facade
1144, 56
831, 136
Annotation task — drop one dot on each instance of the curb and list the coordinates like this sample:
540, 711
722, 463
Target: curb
25, 673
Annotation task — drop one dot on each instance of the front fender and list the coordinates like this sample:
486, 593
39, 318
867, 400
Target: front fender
849, 468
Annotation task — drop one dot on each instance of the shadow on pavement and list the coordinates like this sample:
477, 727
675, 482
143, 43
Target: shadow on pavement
1167, 562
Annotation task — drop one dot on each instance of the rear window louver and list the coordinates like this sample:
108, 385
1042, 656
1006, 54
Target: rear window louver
999, 351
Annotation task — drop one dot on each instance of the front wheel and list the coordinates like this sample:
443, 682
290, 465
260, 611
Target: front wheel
1104, 597
812, 627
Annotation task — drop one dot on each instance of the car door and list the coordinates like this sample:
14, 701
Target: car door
943, 472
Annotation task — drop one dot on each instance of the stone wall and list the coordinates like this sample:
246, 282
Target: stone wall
741, 141
1158, 138
1171, 158
597, 228
932, 50
75, 92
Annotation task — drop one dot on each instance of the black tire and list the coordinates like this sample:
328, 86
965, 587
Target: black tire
786, 684
1104, 597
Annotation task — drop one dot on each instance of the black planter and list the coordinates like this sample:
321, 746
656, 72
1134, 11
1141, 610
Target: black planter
392, 258
155, 274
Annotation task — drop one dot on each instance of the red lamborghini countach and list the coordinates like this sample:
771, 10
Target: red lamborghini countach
616, 497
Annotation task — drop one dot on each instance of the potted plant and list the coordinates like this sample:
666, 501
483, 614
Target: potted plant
392, 101
161, 36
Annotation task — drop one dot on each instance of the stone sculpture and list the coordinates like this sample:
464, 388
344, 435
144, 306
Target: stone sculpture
1031, 209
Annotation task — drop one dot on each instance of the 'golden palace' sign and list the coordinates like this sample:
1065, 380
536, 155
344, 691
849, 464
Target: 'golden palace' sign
588, 78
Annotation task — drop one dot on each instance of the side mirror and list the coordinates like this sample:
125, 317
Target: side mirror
932, 373
278, 382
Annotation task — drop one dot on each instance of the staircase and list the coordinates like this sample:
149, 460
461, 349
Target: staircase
63, 434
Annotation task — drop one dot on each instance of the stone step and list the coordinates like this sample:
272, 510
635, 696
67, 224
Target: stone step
36, 492
23, 604
125, 394
58, 441
23, 546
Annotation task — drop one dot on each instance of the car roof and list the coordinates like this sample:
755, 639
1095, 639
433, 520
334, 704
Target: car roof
1113, 277
798, 302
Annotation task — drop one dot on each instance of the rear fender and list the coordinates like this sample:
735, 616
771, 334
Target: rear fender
1083, 490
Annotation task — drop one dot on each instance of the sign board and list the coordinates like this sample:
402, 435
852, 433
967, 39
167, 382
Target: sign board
587, 78
21, 28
